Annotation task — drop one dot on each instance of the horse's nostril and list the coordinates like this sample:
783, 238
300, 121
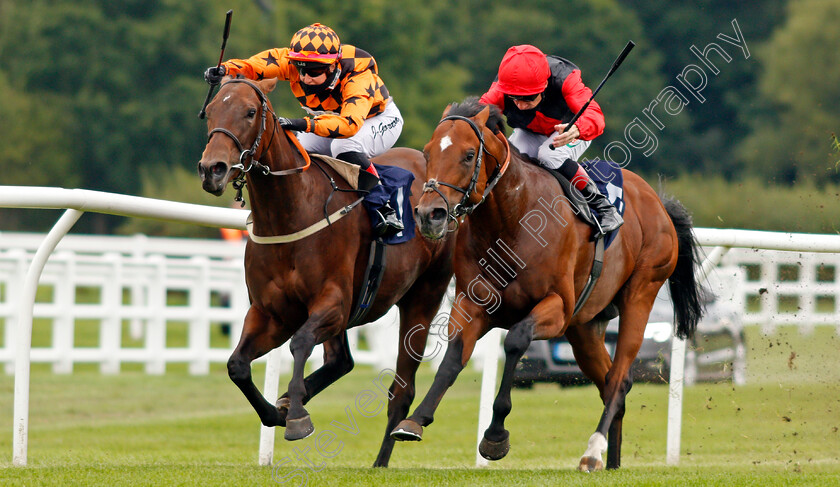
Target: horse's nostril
219, 169
438, 214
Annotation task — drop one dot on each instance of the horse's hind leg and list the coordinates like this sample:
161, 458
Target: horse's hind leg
259, 336
338, 362
587, 341
635, 303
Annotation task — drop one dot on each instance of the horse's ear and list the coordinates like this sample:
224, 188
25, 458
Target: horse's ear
267, 85
483, 115
446, 111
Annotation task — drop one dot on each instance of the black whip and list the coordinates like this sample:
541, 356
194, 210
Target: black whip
228, 16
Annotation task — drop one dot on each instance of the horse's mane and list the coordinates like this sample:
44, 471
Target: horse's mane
470, 108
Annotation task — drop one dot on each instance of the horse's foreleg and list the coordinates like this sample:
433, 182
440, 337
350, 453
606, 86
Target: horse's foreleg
458, 352
338, 362
259, 336
415, 319
326, 312
546, 315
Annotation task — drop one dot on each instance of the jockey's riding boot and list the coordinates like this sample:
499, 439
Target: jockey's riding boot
389, 224
608, 215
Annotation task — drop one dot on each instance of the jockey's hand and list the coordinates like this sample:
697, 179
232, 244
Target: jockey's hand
296, 124
214, 75
562, 138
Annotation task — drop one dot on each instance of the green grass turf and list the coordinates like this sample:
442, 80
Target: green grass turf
134, 429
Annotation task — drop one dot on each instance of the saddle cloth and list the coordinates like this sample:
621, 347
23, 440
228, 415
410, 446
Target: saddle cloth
395, 188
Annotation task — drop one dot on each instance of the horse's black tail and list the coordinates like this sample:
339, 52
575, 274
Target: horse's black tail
686, 291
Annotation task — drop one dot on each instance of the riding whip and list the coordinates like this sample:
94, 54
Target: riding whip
221, 57
629, 47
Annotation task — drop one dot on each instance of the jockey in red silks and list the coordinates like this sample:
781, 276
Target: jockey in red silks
352, 116
539, 95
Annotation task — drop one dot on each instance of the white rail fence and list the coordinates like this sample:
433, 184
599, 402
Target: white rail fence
132, 283
136, 290
124, 286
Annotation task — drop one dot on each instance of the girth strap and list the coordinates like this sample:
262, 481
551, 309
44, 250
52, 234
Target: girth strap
311, 229
597, 267
370, 284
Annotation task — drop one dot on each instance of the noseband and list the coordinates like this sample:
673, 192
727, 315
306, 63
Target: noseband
464, 207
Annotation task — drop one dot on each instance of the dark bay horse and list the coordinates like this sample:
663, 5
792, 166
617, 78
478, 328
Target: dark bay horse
523, 260
305, 290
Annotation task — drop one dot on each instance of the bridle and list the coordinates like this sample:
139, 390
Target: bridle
248, 155
464, 207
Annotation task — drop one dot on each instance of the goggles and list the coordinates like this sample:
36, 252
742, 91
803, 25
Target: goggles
525, 98
313, 70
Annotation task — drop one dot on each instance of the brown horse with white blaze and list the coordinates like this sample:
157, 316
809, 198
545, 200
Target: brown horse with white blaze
305, 289
511, 277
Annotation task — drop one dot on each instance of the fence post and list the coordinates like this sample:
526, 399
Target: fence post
198, 337
110, 326
155, 339
23, 334
63, 324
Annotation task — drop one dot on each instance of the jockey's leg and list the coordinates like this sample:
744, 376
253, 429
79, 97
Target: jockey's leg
564, 161
389, 223
608, 215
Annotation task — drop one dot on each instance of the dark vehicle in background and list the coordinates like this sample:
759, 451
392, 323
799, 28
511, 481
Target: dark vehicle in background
716, 352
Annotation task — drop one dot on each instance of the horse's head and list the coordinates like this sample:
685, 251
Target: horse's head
236, 119
457, 170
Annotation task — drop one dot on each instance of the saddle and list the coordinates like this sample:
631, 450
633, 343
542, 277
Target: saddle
610, 182
351, 173
575, 198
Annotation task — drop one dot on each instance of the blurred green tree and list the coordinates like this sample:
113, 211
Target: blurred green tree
800, 98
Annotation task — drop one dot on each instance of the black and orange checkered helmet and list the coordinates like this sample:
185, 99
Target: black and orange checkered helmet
315, 43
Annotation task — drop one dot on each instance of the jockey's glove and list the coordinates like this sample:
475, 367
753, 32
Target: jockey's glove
296, 124
214, 74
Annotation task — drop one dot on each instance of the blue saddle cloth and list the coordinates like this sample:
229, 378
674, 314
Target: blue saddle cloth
396, 188
610, 181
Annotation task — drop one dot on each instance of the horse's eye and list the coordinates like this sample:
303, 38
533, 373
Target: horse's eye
426, 156
251, 113
470, 155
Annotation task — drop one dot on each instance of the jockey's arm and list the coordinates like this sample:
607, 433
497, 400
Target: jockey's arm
591, 122
271, 63
357, 102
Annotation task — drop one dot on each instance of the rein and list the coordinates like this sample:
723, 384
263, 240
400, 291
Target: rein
246, 154
464, 207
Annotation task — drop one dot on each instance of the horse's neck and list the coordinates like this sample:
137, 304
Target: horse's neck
518, 192
284, 204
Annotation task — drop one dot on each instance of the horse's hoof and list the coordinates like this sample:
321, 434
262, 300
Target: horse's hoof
494, 450
590, 464
298, 429
282, 406
407, 430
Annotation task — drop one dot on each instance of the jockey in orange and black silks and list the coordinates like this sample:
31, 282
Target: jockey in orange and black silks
351, 115
351, 93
